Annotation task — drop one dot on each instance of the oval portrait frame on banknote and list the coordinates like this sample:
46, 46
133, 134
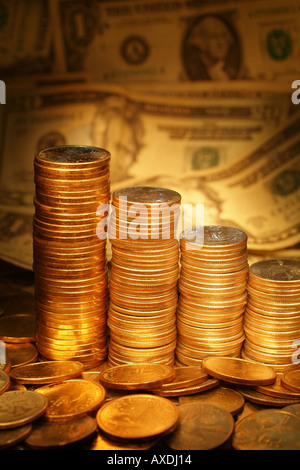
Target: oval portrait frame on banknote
201, 58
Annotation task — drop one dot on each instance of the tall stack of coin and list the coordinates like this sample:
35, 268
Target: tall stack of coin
212, 288
272, 318
144, 275
69, 246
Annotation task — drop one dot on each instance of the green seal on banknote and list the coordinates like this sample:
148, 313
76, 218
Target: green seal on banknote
286, 182
205, 157
279, 44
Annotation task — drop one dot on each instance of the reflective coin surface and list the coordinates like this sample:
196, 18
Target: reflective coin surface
267, 430
202, 426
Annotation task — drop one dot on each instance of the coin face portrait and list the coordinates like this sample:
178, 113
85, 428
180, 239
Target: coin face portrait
211, 49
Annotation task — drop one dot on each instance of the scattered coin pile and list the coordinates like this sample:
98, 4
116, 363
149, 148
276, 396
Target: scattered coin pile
63, 405
272, 317
279, 428
212, 287
70, 253
144, 275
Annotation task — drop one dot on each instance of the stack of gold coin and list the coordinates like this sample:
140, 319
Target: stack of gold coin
212, 287
144, 275
272, 317
69, 244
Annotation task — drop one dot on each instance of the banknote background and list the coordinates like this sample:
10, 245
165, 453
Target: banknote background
190, 95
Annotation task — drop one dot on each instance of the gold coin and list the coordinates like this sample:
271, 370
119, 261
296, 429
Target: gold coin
4, 381
270, 356
19, 328
46, 372
252, 395
89, 322
73, 156
68, 352
72, 398
137, 417
294, 409
277, 271
22, 353
275, 298
278, 368
162, 319
248, 409
136, 376
49, 435
209, 322
185, 377
213, 303
239, 371
286, 290
224, 397
276, 324
202, 386
11, 437
48, 180
145, 195
140, 340
201, 426
283, 312
278, 390
145, 250
61, 228
72, 310
65, 348
215, 236
192, 356
267, 430
78, 355
291, 380
137, 356
20, 407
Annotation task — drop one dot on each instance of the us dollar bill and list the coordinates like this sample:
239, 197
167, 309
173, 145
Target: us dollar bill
258, 193
26, 42
148, 136
144, 134
178, 40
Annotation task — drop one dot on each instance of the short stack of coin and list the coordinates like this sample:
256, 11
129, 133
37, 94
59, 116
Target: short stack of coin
144, 275
69, 245
272, 317
212, 288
